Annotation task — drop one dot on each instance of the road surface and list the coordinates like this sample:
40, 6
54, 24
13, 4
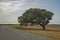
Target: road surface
8, 33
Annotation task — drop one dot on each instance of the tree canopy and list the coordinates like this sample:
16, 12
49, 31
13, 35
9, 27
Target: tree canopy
35, 16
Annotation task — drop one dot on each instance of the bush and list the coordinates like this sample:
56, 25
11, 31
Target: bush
19, 27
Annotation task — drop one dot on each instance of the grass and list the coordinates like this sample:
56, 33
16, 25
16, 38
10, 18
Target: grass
52, 31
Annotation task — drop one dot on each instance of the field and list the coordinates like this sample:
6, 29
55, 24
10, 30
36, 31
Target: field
52, 31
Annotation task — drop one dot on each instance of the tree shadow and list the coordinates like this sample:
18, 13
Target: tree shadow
53, 30
32, 29
38, 29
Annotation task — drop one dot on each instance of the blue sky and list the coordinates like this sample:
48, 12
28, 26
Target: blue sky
10, 10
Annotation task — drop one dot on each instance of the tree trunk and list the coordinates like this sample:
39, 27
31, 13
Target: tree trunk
43, 27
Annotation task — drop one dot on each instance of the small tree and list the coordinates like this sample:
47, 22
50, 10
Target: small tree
35, 16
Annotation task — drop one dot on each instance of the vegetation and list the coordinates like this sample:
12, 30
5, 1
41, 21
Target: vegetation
52, 31
35, 16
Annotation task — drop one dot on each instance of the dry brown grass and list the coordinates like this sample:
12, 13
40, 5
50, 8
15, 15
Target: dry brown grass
52, 31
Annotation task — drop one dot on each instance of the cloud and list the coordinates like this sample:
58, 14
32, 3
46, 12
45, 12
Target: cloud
11, 0
11, 6
8, 19
10, 10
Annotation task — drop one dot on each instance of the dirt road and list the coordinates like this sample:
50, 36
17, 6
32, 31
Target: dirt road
14, 34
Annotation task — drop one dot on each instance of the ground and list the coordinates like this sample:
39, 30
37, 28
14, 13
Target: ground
10, 33
52, 31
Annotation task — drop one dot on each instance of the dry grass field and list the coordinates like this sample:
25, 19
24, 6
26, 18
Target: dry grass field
52, 31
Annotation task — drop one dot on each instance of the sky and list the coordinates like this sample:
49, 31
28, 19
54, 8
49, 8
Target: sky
10, 10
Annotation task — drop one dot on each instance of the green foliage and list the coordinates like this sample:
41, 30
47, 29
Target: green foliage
19, 27
35, 16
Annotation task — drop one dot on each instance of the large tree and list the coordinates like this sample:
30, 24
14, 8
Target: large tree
35, 16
